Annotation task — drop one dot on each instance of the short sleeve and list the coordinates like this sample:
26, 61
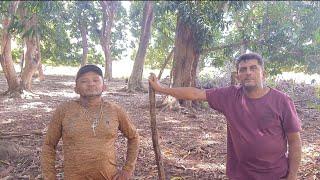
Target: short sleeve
291, 121
218, 98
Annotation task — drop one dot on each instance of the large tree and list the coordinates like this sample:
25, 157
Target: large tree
199, 24
158, 54
31, 39
24, 20
97, 23
80, 14
108, 9
107, 27
6, 56
135, 80
284, 32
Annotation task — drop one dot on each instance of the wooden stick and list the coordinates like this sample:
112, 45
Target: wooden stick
154, 131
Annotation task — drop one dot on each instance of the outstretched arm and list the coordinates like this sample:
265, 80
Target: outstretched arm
188, 93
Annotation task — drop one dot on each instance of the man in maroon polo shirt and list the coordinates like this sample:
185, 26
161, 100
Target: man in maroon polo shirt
263, 133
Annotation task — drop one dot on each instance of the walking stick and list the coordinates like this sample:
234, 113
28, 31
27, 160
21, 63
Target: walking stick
154, 131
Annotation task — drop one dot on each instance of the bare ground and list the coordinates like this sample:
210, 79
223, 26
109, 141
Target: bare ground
193, 147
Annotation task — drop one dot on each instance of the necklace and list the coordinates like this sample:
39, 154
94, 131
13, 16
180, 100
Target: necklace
96, 119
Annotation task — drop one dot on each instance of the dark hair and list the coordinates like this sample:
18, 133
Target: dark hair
89, 68
250, 56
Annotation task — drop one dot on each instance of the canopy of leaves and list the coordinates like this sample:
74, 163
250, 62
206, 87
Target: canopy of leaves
286, 33
118, 36
205, 17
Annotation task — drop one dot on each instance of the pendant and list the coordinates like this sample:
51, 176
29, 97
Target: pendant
94, 129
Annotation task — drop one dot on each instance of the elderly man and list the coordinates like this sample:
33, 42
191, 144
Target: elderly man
262, 123
88, 127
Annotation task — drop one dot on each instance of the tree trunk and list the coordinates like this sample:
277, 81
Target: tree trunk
84, 32
31, 60
186, 58
22, 60
6, 57
108, 63
40, 71
135, 80
38, 57
108, 10
30, 66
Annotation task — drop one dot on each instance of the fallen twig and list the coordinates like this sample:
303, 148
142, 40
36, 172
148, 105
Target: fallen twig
4, 162
14, 135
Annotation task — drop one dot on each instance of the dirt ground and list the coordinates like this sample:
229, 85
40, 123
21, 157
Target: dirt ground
193, 147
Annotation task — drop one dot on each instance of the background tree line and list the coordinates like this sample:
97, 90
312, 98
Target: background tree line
184, 36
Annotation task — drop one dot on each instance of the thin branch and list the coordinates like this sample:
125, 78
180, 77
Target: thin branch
169, 57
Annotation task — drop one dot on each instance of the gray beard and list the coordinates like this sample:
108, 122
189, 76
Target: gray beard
250, 88
253, 88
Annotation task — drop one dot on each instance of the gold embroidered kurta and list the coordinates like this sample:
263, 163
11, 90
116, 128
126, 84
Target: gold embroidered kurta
88, 156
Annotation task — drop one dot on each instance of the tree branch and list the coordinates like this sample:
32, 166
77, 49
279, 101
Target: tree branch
165, 63
244, 42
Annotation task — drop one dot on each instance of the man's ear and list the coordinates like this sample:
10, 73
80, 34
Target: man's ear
76, 90
237, 76
104, 87
265, 74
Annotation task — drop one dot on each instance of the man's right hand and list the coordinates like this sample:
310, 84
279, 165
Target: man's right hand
188, 93
153, 80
